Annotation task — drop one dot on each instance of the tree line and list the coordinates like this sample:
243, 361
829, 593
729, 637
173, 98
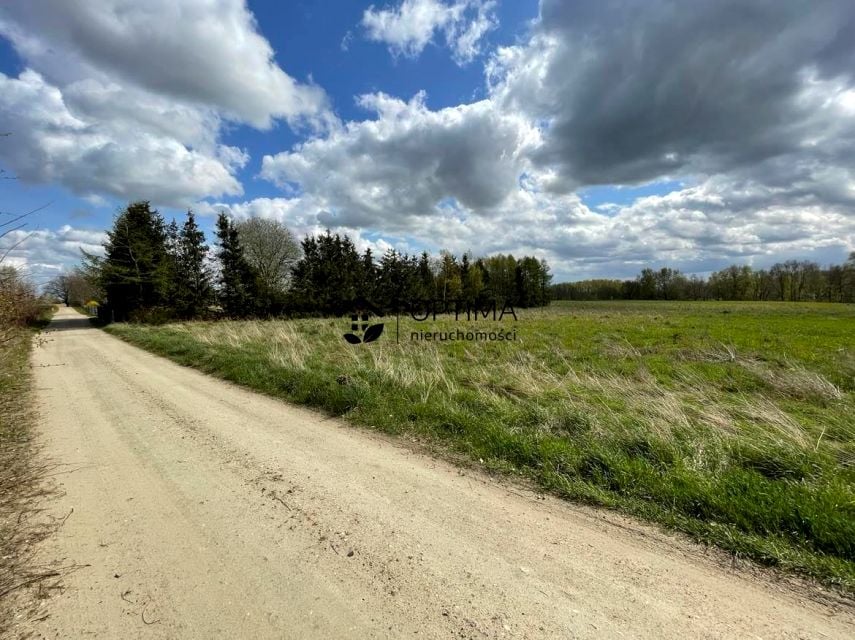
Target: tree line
152, 271
793, 281
331, 271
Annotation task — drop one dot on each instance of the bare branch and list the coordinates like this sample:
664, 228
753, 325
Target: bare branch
15, 245
24, 215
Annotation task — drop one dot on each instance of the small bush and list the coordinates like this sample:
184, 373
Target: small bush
19, 305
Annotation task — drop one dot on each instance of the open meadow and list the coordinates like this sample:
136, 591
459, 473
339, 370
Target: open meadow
733, 422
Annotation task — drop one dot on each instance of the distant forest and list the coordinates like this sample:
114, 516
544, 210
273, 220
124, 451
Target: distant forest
152, 271
793, 280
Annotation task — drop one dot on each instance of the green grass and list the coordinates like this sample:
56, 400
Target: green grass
732, 422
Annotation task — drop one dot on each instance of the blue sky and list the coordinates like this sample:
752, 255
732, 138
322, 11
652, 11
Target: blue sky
563, 129
309, 36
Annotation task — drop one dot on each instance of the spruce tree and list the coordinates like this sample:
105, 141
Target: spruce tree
193, 290
172, 254
427, 283
302, 292
368, 277
135, 272
238, 281
330, 275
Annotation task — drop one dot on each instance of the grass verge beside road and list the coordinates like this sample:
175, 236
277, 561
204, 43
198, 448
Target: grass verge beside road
732, 422
21, 480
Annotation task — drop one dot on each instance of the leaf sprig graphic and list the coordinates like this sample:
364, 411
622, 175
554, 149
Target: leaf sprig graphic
371, 334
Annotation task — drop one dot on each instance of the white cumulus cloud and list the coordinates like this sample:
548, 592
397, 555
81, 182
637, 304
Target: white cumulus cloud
204, 52
407, 161
130, 98
408, 28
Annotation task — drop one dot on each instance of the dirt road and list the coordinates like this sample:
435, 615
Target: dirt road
206, 511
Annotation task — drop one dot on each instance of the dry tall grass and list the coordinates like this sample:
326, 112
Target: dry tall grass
22, 490
559, 384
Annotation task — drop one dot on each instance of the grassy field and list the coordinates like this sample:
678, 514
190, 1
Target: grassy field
732, 422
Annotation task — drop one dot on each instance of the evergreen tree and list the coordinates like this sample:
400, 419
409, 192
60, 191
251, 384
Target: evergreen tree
172, 238
238, 281
348, 270
136, 270
368, 277
193, 289
426, 289
302, 293
330, 276
398, 281
172, 253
